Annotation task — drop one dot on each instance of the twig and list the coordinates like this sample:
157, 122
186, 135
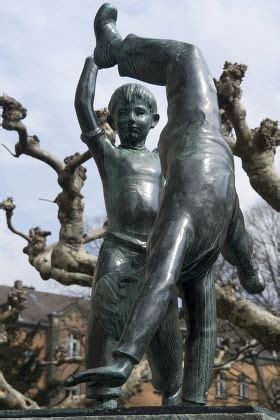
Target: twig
94, 234
78, 160
8, 206
46, 199
11, 153
240, 355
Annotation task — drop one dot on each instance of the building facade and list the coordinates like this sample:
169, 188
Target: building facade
61, 323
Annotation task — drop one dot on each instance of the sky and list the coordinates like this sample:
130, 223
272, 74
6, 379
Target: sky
43, 47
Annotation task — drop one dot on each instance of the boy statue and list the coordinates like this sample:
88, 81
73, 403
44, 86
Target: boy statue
199, 214
132, 182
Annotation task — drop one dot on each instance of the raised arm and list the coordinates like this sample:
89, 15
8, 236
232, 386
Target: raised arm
92, 133
85, 96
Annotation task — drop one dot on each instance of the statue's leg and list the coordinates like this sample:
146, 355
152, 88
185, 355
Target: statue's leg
238, 251
100, 341
200, 304
106, 302
165, 356
109, 44
100, 344
119, 277
172, 235
157, 61
108, 40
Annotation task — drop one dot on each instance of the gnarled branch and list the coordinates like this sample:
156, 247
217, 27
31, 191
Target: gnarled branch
221, 362
94, 234
257, 322
7, 315
8, 206
11, 399
102, 115
13, 114
255, 147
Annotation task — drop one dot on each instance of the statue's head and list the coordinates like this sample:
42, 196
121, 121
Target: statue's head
133, 112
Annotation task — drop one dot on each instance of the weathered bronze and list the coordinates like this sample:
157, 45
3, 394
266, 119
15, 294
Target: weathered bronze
132, 182
199, 215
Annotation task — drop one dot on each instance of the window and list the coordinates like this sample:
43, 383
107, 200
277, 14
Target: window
72, 392
243, 389
73, 346
274, 354
221, 387
27, 355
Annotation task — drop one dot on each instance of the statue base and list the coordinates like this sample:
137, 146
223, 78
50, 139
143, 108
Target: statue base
145, 413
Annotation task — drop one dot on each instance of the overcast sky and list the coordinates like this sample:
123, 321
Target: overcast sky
43, 47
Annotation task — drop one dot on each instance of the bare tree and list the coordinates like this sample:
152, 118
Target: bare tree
9, 397
236, 348
258, 314
256, 147
67, 260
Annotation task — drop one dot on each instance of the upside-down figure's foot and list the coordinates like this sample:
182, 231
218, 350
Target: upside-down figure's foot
113, 375
251, 277
108, 39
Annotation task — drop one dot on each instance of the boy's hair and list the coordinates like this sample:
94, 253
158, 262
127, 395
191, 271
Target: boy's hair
129, 92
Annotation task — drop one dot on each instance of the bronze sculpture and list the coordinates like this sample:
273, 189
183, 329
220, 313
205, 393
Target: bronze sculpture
199, 215
132, 183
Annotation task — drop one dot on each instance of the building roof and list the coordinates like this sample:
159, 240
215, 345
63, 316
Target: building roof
41, 304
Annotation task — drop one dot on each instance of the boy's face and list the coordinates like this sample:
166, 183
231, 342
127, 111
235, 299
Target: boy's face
133, 121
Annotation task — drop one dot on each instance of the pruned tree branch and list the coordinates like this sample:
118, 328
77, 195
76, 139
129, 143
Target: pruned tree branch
78, 160
7, 315
9, 151
256, 147
16, 302
11, 399
13, 114
8, 206
257, 322
40, 257
222, 362
94, 234
34, 150
67, 278
66, 261
102, 115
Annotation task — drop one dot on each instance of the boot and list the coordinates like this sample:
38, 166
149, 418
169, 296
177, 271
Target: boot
108, 39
